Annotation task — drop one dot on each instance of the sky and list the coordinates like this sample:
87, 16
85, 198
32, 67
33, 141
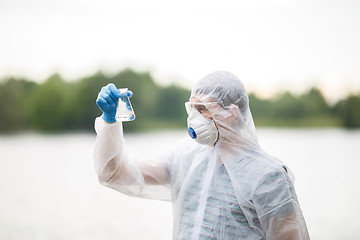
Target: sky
271, 46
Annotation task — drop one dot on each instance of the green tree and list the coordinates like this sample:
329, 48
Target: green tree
288, 107
81, 104
315, 103
349, 111
308, 109
48, 110
171, 103
14, 108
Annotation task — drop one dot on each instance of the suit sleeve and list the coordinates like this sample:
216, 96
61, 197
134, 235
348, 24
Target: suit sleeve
146, 177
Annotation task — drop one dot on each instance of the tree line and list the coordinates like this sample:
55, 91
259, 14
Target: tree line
309, 109
59, 105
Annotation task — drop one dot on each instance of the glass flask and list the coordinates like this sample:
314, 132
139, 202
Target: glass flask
125, 111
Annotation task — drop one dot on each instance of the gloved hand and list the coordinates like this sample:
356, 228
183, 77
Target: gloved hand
108, 100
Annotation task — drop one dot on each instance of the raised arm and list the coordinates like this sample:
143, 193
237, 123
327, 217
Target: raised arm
146, 178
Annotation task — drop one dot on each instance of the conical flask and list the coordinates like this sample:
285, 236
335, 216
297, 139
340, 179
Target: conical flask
125, 111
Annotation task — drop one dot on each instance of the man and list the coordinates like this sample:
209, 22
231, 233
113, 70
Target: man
222, 185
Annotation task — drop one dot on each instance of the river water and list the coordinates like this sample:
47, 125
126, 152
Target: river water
49, 190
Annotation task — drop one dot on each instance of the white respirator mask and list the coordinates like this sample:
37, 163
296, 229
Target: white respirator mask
200, 128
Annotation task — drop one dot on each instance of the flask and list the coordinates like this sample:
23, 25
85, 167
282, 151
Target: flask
125, 111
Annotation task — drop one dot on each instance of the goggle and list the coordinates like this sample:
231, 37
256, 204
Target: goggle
199, 106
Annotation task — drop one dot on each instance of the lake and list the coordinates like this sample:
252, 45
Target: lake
49, 189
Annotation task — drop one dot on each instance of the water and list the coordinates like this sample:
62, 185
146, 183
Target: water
124, 110
49, 190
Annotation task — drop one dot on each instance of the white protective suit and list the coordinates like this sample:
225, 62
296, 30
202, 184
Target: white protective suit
233, 190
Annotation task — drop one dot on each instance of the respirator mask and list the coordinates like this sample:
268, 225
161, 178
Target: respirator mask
200, 128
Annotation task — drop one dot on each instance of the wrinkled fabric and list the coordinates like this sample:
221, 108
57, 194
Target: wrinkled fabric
230, 190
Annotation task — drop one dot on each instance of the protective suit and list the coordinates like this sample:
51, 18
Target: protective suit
222, 185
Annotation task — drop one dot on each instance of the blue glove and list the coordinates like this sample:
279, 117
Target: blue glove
108, 100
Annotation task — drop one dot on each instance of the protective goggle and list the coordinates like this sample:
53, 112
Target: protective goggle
199, 106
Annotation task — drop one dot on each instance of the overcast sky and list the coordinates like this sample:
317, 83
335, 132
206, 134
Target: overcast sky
285, 44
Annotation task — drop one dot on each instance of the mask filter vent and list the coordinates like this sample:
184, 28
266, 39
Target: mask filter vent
191, 132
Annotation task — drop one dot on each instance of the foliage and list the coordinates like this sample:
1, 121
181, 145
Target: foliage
349, 110
58, 105
307, 110
14, 108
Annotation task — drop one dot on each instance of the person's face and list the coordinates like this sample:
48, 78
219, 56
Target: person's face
204, 108
223, 118
211, 109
